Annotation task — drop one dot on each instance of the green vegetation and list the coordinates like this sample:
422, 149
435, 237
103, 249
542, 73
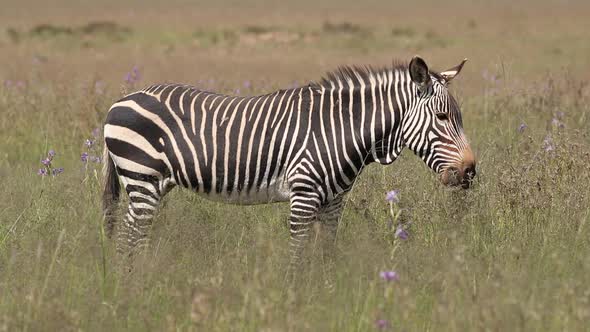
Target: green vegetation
512, 253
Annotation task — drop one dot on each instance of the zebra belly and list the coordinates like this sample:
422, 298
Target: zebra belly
277, 191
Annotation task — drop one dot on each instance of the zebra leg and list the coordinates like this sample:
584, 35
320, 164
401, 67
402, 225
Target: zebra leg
144, 200
329, 218
304, 208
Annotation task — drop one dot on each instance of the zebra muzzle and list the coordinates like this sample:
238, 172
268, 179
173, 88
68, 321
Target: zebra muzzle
454, 176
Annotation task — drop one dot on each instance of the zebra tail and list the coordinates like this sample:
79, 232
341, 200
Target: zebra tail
112, 190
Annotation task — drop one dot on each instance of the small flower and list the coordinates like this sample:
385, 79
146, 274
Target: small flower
555, 122
84, 157
89, 143
548, 144
489, 76
99, 87
382, 324
51, 154
401, 233
42, 171
46, 161
237, 92
392, 196
95, 159
522, 127
57, 171
133, 76
128, 78
389, 276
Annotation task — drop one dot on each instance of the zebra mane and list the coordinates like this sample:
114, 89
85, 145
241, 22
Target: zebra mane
345, 73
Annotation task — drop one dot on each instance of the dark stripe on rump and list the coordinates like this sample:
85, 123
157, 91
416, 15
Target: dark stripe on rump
127, 117
129, 151
138, 176
156, 107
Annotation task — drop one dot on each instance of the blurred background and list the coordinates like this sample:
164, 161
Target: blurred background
234, 41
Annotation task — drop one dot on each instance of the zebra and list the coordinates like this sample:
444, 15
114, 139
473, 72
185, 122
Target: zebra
303, 145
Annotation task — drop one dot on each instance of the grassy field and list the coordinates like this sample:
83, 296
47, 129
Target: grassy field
510, 254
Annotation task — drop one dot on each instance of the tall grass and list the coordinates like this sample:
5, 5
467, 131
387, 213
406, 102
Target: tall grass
509, 254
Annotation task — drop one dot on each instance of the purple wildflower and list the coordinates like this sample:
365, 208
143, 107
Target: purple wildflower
401, 233
128, 78
237, 92
522, 127
46, 161
382, 324
95, 159
42, 171
57, 171
489, 76
84, 157
51, 154
555, 122
548, 145
136, 73
392, 196
389, 276
89, 143
133, 76
559, 114
99, 87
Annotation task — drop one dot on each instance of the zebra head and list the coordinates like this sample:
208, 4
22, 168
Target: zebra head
433, 127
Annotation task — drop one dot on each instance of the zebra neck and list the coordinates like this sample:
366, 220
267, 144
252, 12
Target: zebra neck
380, 103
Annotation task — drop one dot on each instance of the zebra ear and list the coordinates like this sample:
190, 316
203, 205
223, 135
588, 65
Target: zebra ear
419, 73
451, 73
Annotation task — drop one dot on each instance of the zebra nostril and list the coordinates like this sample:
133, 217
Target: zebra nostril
470, 172
468, 175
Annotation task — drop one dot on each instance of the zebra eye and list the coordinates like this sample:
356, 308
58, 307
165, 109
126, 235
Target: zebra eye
442, 116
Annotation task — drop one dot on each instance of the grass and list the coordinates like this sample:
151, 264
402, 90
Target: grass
509, 254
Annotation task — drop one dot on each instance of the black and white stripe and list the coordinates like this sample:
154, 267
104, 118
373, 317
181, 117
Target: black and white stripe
305, 145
